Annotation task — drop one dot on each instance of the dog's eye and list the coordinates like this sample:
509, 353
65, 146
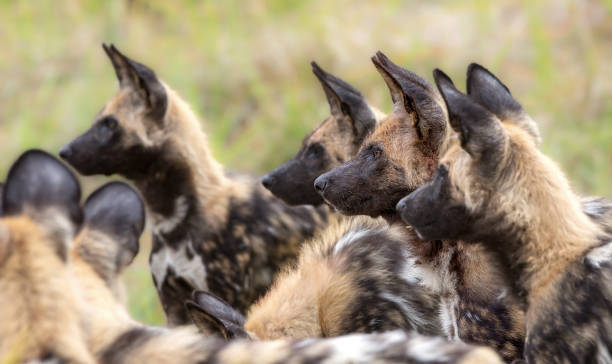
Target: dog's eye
376, 153
106, 129
110, 122
442, 170
314, 151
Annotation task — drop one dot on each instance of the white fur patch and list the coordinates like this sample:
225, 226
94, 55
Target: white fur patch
408, 310
591, 206
428, 349
600, 255
603, 354
358, 348
449, 318
472, 316
192, 270
349, 238
437, 277
425, 274
166, 224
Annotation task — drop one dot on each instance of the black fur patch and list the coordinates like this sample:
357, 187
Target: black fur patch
346, 100
485, 88
121, 347
117, 210
39, 180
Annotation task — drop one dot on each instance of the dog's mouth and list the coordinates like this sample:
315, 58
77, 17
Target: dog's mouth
349, 205
422, 230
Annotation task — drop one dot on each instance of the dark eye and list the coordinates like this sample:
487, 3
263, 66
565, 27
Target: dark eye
107, 128
110, 122
442, 170
376, 153
314, 151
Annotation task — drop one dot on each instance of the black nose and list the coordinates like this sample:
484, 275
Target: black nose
320, 184
65, 152
268, 181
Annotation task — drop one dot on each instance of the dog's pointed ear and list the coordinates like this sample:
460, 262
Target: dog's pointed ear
213, 315
346, 102
415, 96
140, 79
117, 209
37, 181
488, 90
482, 134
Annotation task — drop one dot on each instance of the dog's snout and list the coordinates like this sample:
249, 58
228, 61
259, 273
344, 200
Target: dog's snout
268, 181
65, 152
320, 184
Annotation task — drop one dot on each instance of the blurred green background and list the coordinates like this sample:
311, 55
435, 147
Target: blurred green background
244, 68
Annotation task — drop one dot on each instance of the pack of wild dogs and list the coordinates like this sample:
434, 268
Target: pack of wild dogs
451, 237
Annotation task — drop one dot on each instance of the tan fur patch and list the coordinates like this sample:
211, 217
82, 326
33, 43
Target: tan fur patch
40, 309
309, 300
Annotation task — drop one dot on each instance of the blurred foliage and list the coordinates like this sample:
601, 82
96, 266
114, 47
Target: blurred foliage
244, 68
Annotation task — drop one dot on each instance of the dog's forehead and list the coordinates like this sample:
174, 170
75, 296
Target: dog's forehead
388, 128
120, 101
451, 154
328, 133
323, 130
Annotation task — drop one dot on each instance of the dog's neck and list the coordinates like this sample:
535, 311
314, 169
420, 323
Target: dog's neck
184, 179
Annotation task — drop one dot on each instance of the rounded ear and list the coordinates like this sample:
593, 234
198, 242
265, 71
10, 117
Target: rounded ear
213, 315
345, 100
482, 135
39, 181
117, 209
416, 96
486, 89
140, 79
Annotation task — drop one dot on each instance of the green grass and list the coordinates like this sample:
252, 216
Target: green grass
244, 67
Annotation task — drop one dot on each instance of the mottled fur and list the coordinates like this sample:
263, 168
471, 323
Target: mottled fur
477, 301
333, 142
115, 338
499, 189
211, 231
353, 278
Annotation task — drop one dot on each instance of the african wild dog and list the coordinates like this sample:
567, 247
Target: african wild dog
332, 143
356, 277
214, 232
399, 156
496, 187
113, 220
57, 308
38, 309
